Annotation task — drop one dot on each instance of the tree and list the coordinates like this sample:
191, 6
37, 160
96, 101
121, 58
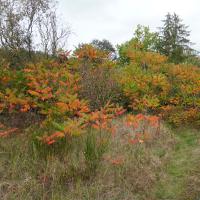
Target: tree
44, 32
11, 33
103, 45
52, 34
147, 39
32, 11
22, 22
18, 21
143, 41
174, 41
106, 46
58, 35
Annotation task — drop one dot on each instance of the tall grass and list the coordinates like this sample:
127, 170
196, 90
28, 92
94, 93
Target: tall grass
94, 167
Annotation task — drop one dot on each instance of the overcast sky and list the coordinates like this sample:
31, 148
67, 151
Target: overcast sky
116, 20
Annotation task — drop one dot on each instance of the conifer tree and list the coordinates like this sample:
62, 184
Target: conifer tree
174, 39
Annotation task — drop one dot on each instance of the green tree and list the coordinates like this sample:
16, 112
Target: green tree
174, 39
143, 40
146, 38
103, 45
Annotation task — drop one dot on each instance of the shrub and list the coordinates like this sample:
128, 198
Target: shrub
98, 86
97, 76
170, 90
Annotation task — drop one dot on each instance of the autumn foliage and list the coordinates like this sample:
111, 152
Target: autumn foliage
166, 89
70, 98
51, 91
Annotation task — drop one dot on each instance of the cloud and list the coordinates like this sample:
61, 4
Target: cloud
115, 20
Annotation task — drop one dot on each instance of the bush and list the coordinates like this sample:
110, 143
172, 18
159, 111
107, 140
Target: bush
97, 76
98, 86
170, 90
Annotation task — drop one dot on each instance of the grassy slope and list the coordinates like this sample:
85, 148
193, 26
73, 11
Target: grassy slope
167, 168
182, 168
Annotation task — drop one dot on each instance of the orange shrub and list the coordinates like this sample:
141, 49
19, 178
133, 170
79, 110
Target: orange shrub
168, 89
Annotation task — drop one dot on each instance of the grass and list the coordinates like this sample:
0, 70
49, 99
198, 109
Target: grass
181, 167
95, 167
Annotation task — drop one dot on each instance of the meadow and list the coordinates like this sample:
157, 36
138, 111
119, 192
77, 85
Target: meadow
82, 127
99, 122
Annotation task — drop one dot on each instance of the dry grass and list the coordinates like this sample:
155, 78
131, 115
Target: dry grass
124, 171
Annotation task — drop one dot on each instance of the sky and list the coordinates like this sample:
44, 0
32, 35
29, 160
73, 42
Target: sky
116, 20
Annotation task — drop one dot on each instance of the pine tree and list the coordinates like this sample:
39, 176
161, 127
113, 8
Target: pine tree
174, 41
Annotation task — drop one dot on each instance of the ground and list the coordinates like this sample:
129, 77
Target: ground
166, 168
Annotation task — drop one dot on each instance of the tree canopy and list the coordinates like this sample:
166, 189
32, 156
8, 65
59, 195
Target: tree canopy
174, 39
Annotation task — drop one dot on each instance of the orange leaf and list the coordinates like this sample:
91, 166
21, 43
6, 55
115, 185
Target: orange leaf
34, 93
